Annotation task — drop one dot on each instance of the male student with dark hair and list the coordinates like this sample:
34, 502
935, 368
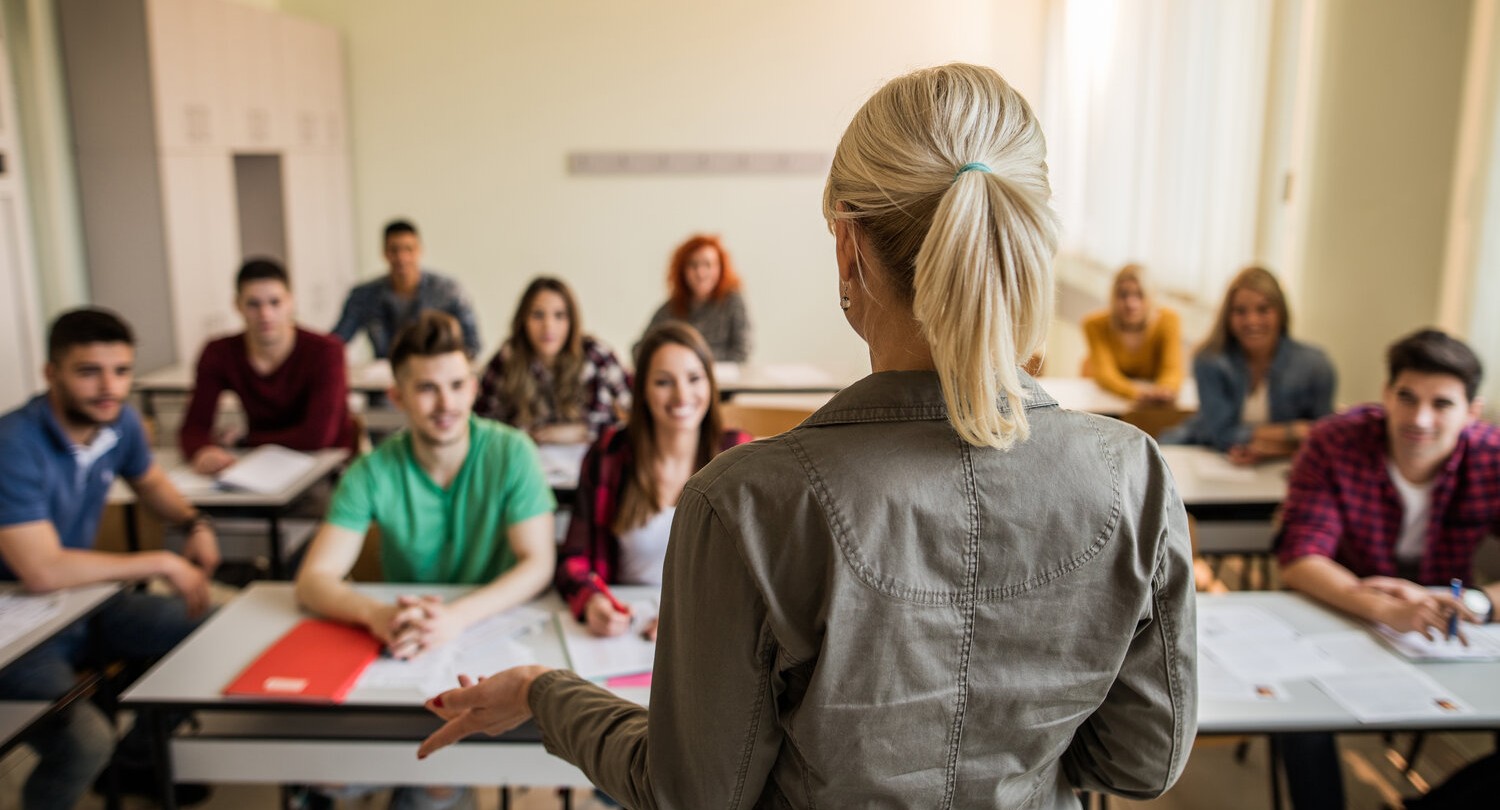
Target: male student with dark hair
59, 453
459, 500
384, 306
1385, 502
291, 381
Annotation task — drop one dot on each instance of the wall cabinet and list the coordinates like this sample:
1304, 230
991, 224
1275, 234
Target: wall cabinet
165, 95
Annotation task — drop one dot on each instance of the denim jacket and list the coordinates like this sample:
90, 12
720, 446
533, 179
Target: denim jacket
1301, 381
866, 611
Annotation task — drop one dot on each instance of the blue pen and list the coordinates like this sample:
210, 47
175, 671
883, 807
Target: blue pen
1458, 593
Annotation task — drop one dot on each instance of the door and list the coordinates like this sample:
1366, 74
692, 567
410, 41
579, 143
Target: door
21, 331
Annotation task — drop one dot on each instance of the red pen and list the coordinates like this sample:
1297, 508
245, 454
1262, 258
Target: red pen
598, 584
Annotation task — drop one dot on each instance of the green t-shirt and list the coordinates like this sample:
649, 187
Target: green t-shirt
447, 536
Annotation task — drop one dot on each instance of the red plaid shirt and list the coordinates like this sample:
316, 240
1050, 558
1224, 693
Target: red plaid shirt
1342, 503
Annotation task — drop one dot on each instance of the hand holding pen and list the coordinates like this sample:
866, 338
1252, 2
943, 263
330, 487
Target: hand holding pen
603, 613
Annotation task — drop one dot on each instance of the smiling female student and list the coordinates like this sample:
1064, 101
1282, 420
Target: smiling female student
630, 481
704, 291
549, 378
1258, 389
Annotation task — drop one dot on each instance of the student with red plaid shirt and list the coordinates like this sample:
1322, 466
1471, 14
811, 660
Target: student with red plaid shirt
1385, 501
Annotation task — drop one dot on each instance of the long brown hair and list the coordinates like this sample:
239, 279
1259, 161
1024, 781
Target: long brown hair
679, 296
641, 497
1256, 279
567, 368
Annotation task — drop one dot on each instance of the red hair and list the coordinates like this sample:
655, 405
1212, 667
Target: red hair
679, 296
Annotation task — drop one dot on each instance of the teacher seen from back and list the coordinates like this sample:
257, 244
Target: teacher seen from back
940, 590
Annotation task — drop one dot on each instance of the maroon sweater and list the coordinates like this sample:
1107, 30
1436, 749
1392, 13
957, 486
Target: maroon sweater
303, 404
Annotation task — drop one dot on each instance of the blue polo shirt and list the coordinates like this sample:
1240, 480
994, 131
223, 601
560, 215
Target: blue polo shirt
44, 476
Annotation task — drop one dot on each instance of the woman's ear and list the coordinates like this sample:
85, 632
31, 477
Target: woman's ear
845, 249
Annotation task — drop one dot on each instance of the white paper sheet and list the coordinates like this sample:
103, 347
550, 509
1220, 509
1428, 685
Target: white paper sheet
593, 657
1392, 694
1217, 683
21, 613
1261, 659
561, 463
1482, 646
1226, 620
267, 470
485, 648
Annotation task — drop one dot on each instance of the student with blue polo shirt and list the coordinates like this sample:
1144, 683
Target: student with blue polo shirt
59, 453
459, 500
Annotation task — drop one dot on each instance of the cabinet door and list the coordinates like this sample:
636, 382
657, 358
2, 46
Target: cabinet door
252, 67
202, 251
299, 57
20, 314
188, 72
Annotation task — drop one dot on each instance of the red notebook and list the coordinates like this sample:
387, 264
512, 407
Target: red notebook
317, 661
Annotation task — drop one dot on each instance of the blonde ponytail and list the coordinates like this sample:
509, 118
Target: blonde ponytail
944, 173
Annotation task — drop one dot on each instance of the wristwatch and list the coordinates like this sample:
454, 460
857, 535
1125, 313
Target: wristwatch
198, 519
1478, 602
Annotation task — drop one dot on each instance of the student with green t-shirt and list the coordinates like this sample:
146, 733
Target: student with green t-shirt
458, 499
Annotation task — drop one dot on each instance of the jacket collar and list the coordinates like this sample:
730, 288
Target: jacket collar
905, 396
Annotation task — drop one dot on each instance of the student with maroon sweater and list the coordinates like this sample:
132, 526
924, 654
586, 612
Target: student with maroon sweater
628, 487
291, 381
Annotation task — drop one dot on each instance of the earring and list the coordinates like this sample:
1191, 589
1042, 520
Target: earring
844, 302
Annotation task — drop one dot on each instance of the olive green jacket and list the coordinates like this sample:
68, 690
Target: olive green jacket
866, 611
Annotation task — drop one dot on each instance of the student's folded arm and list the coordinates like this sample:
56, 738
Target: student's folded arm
40, 561
197, 428
350, 318
155, 489
1218, 421
321, 585
535, 546
712, 735
1137, 742
1169, 334
1106, 368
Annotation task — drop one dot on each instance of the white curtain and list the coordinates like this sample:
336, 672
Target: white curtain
1155, 118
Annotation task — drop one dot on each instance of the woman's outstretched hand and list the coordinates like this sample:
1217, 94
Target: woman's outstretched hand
492, 705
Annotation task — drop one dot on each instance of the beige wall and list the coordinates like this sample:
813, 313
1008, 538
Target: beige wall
462, 119
1382, 169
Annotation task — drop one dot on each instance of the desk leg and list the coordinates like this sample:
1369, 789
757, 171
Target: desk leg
161, 748
278, 571
132, 529
1274, 753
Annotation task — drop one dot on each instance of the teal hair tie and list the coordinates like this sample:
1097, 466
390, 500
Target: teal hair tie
969, 167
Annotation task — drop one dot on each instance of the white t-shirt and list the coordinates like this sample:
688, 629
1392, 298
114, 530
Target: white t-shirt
1257, 410
1416, 513
643, 550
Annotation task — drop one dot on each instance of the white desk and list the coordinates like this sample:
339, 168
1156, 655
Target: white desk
370, 738
1310, 709
774, 378
72, 605
1084, 394
1233, 505
17, 717
270, 507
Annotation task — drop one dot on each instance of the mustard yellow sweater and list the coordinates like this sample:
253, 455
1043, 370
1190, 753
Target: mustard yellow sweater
1158, 358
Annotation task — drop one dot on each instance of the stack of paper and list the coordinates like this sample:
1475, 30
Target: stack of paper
267, 470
